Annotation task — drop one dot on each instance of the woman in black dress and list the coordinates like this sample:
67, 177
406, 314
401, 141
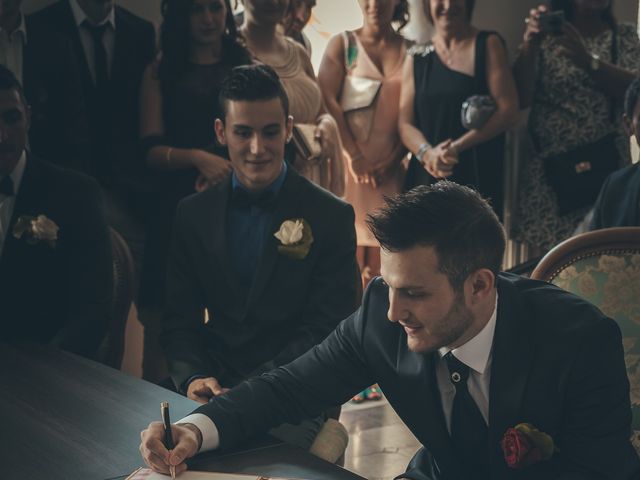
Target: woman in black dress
179, 103
438, 77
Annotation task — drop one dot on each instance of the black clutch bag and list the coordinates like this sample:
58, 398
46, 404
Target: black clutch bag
576, 176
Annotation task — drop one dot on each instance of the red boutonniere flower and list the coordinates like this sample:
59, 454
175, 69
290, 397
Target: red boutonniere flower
525, 445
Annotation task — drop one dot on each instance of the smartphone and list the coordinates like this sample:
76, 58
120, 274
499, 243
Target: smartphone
551, 22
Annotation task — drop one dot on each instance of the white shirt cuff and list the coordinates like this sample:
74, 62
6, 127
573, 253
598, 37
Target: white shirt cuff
210, 436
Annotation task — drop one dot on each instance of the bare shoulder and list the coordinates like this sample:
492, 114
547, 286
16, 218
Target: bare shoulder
495, 44
335, 47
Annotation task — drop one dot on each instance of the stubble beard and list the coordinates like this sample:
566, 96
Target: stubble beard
454, 324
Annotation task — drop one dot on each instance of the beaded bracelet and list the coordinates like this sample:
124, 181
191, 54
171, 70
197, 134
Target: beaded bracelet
422, 149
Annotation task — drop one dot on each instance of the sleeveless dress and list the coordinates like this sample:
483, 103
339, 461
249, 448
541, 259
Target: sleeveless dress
440, 93
383, 149
305, 105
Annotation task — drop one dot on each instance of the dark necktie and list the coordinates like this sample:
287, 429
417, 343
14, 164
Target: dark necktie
99, 53
244, 199
6, 187
469, 432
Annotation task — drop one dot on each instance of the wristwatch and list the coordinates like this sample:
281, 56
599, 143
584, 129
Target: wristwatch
594, 64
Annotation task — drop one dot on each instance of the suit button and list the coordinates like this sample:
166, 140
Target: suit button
455, 377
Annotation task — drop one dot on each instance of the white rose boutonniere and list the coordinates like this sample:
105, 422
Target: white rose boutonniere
36, 229
295, 238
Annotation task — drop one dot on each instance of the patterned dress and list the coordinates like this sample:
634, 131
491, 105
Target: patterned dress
569, 110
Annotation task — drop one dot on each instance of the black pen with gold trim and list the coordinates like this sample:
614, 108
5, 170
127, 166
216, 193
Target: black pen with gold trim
168, 437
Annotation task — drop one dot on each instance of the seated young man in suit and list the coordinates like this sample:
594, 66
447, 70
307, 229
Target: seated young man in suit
267, 254
463, 353
55, 253
618, 204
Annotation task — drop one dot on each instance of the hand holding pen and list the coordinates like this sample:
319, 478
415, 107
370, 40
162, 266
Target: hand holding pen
186, 440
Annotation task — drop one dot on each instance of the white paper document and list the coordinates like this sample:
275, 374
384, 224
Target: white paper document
148, 474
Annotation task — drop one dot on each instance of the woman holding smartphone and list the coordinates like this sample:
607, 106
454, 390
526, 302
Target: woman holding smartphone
573, 74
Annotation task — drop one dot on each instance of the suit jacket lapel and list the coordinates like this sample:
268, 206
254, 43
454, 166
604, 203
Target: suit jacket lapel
26, 204
215, 232
438, 438
511, 362
121, 46
285, 208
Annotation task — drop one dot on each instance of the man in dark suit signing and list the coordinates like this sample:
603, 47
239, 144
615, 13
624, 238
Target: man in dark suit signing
267, 254
463, 353
55, 254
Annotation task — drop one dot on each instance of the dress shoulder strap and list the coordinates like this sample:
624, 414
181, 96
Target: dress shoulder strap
480, 73
350, 50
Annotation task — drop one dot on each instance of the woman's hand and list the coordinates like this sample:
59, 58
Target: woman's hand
357, 167
440, 160
361, 173
532, 33
212, 167
202, 183
573, 46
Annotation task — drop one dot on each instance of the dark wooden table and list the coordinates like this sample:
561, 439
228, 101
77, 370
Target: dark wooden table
68, 418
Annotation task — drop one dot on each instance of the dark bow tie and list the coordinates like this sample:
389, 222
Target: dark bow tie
244, 199
6, 187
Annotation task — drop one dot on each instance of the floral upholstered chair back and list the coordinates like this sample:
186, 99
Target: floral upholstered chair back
603, 267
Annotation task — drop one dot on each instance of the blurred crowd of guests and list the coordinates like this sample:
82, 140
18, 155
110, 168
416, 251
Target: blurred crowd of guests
136, 113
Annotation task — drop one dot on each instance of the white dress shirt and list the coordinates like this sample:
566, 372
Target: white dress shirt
12, 48
7, 203
108, 39
476, 353
210, 435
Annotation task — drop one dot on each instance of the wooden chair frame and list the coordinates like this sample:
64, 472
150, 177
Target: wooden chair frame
619, 240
